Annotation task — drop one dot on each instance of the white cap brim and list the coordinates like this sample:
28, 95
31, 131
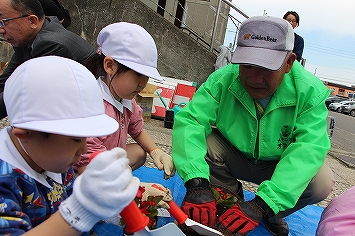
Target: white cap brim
94, 126
261, 57
142, 69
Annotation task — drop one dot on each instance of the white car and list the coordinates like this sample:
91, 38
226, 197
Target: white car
349, 108
336, 106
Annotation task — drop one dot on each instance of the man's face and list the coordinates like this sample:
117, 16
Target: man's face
19, 32
261, 83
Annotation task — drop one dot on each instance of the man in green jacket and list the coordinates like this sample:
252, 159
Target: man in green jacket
261, 119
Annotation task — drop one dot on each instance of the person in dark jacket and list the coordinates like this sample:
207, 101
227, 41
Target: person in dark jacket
293, 18
55, 8
32, 34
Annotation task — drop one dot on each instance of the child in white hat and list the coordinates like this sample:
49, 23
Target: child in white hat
126, 57
53, 104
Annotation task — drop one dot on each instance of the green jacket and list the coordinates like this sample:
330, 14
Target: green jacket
293, 130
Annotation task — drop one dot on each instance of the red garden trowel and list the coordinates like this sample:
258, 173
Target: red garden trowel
136, 223
182, 218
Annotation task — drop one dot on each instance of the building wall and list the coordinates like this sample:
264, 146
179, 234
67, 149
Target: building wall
199, 16
179, 56
339, 90
6, 52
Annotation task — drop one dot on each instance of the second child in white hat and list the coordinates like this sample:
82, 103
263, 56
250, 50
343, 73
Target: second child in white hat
126, 57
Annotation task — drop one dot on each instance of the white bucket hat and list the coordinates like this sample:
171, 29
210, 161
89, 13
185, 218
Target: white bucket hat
264, 41
132, 46
56, 95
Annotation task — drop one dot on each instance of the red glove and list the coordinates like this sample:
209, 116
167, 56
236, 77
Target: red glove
245, 216
199, 202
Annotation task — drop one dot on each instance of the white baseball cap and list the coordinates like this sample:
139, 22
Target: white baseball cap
264, 41
132, 46
56, 95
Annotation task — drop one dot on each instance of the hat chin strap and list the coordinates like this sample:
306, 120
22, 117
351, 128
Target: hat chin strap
24, 149
113, 89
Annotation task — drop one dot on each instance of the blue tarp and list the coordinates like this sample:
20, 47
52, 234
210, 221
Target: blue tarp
301, 223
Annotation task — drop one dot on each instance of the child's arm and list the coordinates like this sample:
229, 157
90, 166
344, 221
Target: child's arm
161, 159
145, 141
54, 225
103, 190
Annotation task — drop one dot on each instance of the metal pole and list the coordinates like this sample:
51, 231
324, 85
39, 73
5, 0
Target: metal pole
215, 24
235, 8
230, 4
235, 39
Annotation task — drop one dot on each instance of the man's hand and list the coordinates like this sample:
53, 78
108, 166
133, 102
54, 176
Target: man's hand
199, 202
163, 161
153, 189
245, 216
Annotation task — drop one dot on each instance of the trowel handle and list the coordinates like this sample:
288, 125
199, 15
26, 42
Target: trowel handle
177, 213
93, 155
131, 215
133, 218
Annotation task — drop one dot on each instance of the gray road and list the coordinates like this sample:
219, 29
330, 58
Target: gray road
344, 132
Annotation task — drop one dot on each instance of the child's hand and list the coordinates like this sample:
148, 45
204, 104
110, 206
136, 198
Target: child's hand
163, 161
101, 191
153, 189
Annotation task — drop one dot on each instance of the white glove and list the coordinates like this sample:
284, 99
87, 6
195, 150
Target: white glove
163, 161
154, 189
101, 191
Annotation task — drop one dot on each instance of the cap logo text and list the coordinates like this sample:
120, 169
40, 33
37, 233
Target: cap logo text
259, 37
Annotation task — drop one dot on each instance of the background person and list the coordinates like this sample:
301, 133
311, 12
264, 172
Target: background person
338, 218
127, 56
24, 25
261, 119
294, 19
224, 57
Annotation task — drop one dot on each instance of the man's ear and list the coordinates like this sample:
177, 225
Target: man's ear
34, 21
21, 134
289, 62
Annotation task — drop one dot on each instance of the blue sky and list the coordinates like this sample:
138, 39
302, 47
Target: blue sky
327, 28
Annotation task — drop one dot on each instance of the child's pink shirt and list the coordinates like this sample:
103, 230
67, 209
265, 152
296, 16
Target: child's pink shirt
127, 113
